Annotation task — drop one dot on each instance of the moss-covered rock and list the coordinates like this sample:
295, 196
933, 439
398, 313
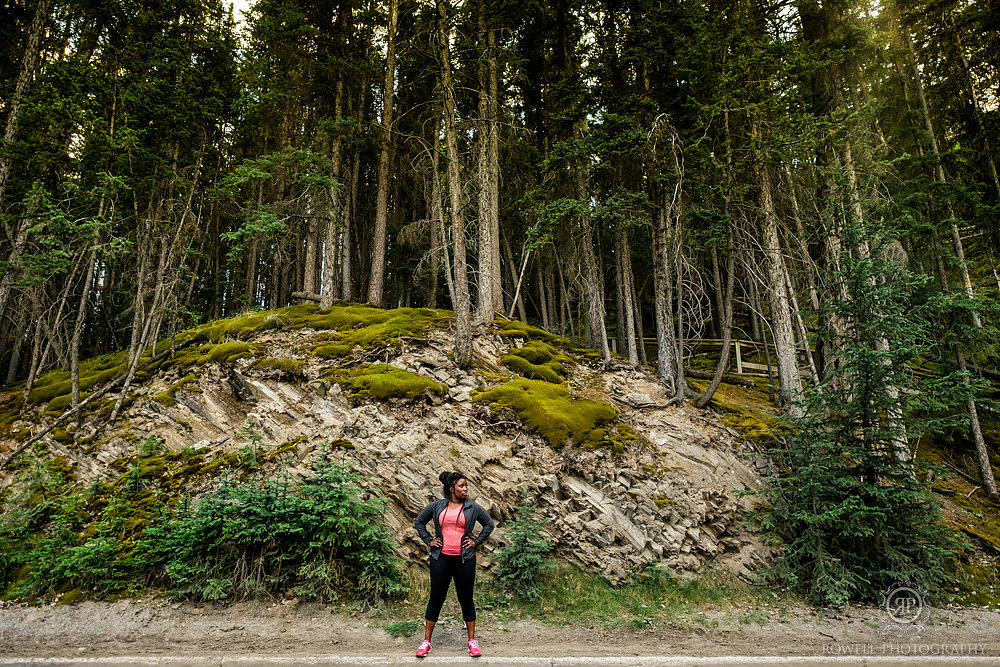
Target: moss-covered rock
382, 382
517, 329
331, 350
373, 327
287, 368
746, 411
549, 410
537, 360
187, 383
220, 353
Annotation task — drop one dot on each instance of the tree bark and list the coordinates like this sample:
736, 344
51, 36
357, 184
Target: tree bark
375, 284
490, 295
592, 283
332, 227
463, 320
29, 63
626, 288
781, 318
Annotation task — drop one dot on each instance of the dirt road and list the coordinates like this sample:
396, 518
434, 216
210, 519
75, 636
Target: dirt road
158, 628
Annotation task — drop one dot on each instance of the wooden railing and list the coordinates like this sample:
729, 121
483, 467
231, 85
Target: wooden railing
737, 346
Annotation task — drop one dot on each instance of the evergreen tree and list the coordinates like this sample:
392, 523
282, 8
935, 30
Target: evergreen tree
851, 515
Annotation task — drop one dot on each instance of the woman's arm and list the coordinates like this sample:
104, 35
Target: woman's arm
420, 524
486, 522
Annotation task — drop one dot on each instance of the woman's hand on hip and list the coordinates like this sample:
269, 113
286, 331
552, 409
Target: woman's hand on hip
436, 543
468, 543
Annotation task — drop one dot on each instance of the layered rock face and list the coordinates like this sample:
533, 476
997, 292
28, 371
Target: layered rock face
668, 496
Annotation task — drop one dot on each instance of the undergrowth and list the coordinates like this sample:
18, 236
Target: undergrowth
257, 538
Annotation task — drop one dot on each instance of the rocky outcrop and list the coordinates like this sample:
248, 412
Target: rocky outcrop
668, 496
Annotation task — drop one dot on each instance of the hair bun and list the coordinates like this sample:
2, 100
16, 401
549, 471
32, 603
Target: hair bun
443, 477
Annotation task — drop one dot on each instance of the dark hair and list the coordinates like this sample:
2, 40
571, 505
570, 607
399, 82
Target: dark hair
450, 479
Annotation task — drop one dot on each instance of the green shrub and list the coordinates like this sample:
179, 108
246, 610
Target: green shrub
521, 562
320, 540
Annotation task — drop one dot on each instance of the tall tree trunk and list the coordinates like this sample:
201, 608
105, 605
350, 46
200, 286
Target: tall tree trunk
626, 288
332, 229
490, 284
781, 318
663, 302
375, 284
463, 319
592, 282
81, 313
29, 63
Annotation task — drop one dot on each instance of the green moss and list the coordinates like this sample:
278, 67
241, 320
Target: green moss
382, 382
979, 585
746, 411
62, 436
10, 410
286, 447
187, 383
517, 329
328, 351
663, 501
549, 410
341, 443
285, 367
60, 404
373, 327
537, 360
221, 353
72, 597
57, 383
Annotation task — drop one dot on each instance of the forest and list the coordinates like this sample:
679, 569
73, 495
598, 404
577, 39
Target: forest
815, 176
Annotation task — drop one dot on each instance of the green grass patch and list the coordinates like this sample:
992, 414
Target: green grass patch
382, 382
549, 410
571, 596
402, 628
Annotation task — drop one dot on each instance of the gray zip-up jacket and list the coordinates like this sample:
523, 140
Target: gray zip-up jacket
473, 514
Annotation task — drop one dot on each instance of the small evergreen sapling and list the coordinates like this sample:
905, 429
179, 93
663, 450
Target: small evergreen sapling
522, 561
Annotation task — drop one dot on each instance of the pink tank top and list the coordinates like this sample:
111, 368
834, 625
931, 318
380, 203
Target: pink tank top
452, 522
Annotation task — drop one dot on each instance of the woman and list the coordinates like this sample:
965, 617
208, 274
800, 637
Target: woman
453, 553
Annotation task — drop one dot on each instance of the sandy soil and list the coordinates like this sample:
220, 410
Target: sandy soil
159, 628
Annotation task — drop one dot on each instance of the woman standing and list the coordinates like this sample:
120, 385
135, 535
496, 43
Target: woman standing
453, 553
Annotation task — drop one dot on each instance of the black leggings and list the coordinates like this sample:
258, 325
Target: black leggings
443, 570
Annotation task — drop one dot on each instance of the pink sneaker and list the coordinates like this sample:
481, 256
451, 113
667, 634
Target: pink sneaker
425, 648
474, 648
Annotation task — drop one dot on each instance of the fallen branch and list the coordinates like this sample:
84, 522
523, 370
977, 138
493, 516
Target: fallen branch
306, 296
94, 396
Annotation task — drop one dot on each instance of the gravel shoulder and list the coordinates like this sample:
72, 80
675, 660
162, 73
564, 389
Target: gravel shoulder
158, 628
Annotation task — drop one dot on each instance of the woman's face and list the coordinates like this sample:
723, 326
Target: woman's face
461, 489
